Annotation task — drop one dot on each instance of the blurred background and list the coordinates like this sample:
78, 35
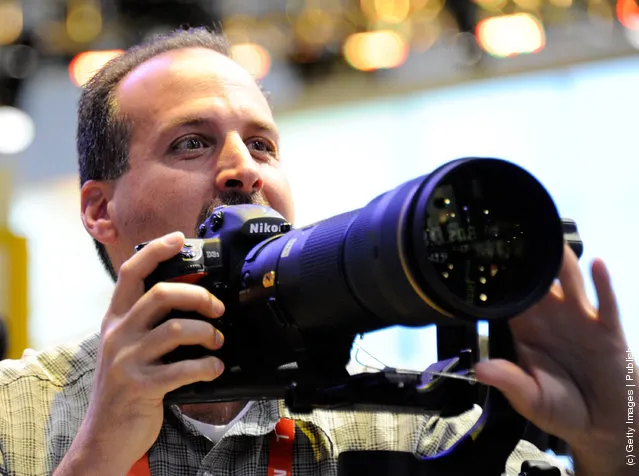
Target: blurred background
367, 94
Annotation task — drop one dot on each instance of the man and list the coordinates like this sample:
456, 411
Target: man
166, 132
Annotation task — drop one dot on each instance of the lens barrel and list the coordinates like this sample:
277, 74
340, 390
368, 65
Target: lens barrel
476, 239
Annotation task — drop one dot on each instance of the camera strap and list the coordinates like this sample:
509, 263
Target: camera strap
280, 457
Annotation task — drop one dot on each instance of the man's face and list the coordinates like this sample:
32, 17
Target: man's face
202, 134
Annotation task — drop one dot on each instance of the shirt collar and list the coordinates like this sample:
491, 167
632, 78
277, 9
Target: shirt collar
259, 420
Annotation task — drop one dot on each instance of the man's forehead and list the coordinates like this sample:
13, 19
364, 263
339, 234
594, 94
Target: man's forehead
171, 71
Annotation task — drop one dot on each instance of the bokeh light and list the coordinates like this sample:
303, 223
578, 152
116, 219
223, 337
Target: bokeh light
315, 26
10, 21
562, 3
84, 22
628, 14
387, 11
252, 57
373, 50
84, 66
16, 130
491, 5
510, 35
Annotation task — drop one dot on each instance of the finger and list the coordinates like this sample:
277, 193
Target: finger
518, 387
130, 285
572, 282
608, 307
166, 297
175, 332
555, 292
168, 377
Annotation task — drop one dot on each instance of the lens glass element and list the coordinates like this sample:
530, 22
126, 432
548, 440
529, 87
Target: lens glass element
491, 234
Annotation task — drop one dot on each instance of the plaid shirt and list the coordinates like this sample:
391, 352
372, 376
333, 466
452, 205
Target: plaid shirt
44, 397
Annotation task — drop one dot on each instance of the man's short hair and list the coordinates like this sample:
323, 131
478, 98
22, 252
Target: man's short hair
103, 133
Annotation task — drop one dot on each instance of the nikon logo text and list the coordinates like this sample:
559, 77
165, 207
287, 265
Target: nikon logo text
263, 228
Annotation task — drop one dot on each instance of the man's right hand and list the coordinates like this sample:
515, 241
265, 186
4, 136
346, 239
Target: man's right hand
125, 411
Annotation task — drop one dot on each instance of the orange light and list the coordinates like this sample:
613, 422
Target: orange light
375, 50
511, 35
10, 22
84, 66
389, 11
628, 14
252, 57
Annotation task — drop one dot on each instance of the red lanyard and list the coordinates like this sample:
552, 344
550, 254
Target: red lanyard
280, 457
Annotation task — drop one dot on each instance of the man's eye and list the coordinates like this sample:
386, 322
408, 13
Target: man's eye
190, 143
261, 145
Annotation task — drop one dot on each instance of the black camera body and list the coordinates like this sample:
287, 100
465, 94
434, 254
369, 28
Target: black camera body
230, 239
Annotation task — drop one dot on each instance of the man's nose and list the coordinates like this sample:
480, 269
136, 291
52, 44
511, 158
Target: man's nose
237, 170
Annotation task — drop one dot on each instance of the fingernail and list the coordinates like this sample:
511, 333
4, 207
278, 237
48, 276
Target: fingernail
218, 306
218, 365
219, 338
174, 238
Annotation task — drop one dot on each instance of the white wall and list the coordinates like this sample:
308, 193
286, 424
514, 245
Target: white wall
574, 129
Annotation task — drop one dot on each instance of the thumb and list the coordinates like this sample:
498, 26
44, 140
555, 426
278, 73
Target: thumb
519, 388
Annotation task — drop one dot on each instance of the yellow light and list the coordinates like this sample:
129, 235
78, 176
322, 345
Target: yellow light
492, 5
368, 7
432, 9
392, 11
628, 14
84, 23
388, 11
10, 22
511, 35
237, 28
528, 4
562, 3
252, 57
84, 66
416, 5
315, 27
375, 50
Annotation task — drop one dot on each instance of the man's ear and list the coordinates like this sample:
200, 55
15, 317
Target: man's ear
94, 198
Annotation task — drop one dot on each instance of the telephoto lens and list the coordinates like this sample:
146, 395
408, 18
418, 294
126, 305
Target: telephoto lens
476, 239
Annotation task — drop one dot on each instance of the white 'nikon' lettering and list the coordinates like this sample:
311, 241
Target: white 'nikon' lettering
263, 228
